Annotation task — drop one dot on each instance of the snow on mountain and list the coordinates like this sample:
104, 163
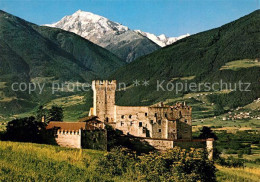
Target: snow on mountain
89, 25
161, 40
94, 27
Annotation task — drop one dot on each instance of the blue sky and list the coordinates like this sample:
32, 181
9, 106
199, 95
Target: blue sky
171, 17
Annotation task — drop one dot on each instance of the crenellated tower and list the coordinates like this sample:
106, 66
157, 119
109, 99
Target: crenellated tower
104, 99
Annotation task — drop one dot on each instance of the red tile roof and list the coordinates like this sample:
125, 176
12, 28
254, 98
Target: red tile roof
67, 125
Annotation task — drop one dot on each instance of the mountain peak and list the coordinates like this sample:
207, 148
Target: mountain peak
162, 40
89, 25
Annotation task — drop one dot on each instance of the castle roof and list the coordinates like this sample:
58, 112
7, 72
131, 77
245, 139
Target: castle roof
67, 125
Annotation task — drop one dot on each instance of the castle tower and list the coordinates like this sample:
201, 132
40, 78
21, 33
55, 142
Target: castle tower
104, 99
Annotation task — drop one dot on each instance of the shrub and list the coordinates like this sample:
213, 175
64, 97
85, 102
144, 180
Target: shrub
174, 165
117, 162
230, 162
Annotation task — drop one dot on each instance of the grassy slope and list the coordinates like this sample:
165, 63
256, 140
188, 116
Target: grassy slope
33, 53
200, 57
36, 162
238, 174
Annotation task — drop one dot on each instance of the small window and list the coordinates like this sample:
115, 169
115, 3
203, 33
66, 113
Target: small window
155, 114
130, 116
146, 114
159, 122
140, 124
122, 123
144, 130
122, 116
165, 115
151, 121
186, 121
173, 131
159, 130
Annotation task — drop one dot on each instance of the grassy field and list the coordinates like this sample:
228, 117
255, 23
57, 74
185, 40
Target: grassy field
239, 64
238, 174
35, 162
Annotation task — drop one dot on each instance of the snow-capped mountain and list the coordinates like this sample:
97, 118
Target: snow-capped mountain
125, 43
161, 40
89, 25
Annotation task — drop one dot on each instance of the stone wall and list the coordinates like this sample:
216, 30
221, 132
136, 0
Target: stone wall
71, 139
164, 144
104, 99
133, 120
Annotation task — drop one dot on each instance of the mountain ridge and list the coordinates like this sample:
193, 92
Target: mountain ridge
30, 52
125, 43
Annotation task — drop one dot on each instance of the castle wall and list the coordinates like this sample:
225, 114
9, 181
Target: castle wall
71, 139
159, 144
165, 144
159, 121
132, 120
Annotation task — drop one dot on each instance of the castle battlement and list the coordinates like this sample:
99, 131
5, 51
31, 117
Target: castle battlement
68, 132
103, 82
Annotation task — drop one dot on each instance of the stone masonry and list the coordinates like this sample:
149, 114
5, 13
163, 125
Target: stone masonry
156, 121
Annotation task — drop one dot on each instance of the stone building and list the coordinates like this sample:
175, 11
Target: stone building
88, 132
156, 121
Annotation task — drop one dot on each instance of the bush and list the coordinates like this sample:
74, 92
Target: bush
230, 162
174, 165
117, 162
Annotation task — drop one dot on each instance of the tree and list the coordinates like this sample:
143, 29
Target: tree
41, 112
206, 132
56, 113
25, 130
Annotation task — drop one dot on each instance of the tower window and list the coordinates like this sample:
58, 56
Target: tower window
146, 114
155, 114
159, 130
122, 123
140, 124
130, 116
186, 121
122, 116
159, 122
165, 115
151, 121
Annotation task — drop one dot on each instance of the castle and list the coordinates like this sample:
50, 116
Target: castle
159, 125
157, 121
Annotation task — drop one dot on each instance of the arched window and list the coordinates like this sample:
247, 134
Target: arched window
130, 116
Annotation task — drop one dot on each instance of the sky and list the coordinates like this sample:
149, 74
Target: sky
169, 17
